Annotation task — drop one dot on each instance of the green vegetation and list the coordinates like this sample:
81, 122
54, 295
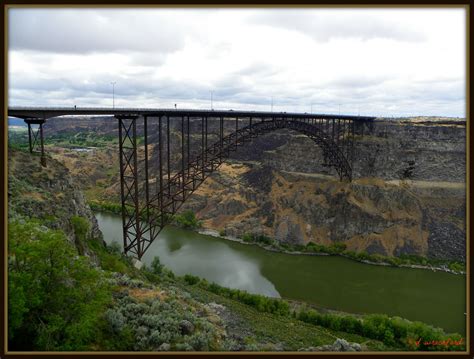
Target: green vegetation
55, 297
191, 279
103, 206
257, 238
259, 302
156, 266
18, 140
339, 248
391, 331
81, 228
187, 220
81, 139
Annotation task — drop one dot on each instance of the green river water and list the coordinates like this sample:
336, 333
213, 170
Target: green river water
437, 298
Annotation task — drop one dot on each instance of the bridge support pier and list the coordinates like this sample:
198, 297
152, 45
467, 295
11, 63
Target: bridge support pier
35, 137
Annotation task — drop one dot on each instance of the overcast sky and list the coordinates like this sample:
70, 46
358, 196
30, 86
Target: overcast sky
383, 62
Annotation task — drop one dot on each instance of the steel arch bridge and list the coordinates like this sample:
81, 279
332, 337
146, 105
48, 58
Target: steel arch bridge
165, 155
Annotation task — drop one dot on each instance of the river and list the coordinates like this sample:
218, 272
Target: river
334, 282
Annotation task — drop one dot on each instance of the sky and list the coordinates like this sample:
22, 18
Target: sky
380, 62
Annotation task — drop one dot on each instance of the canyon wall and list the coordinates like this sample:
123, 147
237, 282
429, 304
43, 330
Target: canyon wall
408, 195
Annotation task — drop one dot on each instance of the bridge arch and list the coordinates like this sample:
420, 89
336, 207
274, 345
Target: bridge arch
332, 150
144, 214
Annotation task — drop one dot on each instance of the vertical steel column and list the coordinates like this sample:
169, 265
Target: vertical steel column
338, 131
343, 140
168, 154
182, 157
352, 141
205, 139
221, 138
236, 130
43, 158
132, 228
333, 128
136, 199
189, 157
122, 184
29, 137
147, 192
250, 128
202, 146
160, 140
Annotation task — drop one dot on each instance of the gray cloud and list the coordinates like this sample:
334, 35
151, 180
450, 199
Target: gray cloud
87, 31
159, 58
324, 25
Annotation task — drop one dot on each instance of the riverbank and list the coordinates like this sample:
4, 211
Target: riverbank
318, 250
441, 268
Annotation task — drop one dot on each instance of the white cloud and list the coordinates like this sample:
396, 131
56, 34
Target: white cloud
381, 61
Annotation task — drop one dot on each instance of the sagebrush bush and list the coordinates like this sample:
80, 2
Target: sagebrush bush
115, 319
156, 322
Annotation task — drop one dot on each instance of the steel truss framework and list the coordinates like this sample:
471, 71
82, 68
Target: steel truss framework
151, 197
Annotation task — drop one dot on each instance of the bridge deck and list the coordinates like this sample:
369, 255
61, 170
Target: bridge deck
48, 112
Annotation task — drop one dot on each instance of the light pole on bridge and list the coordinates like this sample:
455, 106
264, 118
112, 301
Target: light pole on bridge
113, 93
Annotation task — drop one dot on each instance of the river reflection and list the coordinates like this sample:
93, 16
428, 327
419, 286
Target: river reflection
436, 298
186, 252
217, 263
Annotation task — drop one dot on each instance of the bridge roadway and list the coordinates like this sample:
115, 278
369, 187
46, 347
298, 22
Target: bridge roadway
49, 112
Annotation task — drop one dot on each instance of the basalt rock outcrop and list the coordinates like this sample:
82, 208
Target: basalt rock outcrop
48, 194
407, 196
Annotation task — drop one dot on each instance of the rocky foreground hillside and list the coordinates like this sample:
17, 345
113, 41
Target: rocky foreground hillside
48, 194
408, 194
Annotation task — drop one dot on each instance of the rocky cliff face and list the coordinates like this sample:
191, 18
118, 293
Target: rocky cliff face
46, 193
408, 196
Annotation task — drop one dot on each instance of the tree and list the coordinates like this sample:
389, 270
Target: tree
156, 266
188, 220
55, 298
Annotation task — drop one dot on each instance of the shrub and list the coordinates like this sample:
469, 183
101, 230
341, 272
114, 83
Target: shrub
56, 299
337, 247
156, 266
247, 237
391, 331
191, 279
262, 239
115, 248
81, 228
115, 319
259, 302
316, 248
187, 220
